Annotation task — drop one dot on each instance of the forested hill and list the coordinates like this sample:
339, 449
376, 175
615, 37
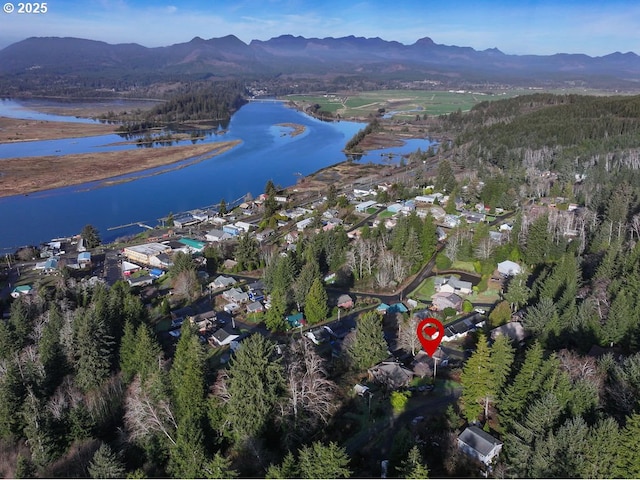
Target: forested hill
202, 103
596, 138
193, 102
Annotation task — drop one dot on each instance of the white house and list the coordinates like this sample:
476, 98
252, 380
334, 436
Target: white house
478, 444
362, 207
222, 282
302, 224
509, 268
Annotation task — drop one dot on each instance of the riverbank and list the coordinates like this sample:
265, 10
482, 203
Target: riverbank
19, 130
20, 176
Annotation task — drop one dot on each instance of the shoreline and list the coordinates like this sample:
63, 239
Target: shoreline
16, 130
26, 175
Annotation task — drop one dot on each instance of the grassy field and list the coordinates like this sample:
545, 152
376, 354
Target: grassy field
407, 103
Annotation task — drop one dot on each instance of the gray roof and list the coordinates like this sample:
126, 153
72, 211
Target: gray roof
479, 440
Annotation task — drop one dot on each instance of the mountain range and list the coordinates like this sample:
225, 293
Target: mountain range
298, 56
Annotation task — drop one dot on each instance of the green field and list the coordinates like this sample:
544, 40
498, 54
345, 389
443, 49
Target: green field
408, 103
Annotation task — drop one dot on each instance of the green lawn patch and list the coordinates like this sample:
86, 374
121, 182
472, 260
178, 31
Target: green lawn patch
425, 290
464, 266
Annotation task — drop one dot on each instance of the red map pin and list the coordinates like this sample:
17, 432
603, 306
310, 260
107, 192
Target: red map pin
430, 333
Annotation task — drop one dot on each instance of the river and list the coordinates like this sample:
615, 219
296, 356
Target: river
267, 152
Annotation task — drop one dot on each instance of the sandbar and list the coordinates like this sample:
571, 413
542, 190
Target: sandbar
19, 130
23, 175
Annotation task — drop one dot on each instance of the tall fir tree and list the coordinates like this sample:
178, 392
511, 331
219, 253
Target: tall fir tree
368, 345
255, 384
315, 308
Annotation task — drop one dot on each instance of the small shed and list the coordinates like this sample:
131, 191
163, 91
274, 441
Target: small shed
345, 301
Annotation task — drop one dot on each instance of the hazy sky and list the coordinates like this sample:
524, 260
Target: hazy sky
514, 26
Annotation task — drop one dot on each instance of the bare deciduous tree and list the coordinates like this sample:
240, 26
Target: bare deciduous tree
146, 415
311, 395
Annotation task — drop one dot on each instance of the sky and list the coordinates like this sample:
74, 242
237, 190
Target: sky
544, 27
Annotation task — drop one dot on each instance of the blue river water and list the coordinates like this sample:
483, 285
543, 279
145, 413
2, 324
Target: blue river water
266, 152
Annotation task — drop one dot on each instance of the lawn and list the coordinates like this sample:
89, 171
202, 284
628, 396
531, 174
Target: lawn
464, 266
425, 290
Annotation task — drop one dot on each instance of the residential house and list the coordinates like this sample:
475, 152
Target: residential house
162, 260
128, 268
264, 234
514, 330
452, 285
50, 265
509, 268
478, 444
229, 264
255, 307
442, 235
461, 327
244, 226
224, 336
235, 295
446, 300
451, 221
345, 301
185, 220
291, 237
216, 235
222, 282
395, 207
204, 321
231, 230
296, 320
364, 206
141, 281
84, 259
21, 290
391, 374
193, 246
302, 224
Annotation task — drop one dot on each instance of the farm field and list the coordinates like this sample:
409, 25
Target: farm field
399, 103
408, 103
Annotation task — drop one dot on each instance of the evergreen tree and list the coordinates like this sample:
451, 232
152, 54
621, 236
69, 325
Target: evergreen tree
187, 376
323, 461
219, 467
308, 274
222, 207
627, 459
368, 345
187, 457
445, 178
90, 236
316, 309
148, 352
526, 384
106, 464
254, 384
287, 469
429, 238
128, 363
413, 466
538, 244
51, 352
502, 355
12, 394
246, 253
275, 317
94, 350
517, 294
478, 383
